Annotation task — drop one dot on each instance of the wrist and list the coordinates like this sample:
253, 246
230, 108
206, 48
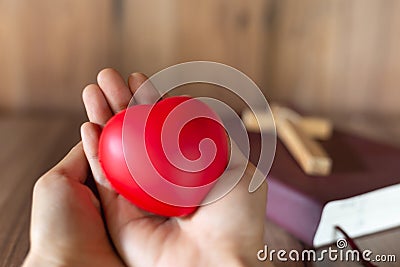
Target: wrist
34, 259
75, 259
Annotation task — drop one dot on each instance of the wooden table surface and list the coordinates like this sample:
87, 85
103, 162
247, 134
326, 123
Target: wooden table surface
30, 145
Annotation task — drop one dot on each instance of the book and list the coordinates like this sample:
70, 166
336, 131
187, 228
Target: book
362, 193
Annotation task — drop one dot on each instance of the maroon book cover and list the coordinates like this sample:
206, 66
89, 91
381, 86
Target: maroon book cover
296, 200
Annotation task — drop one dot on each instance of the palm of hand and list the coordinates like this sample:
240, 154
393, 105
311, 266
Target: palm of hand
233, 225
68, 226
229, 228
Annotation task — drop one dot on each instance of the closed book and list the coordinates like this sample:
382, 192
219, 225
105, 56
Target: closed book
362, 193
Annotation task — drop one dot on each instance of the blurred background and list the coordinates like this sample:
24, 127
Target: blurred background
323, 56
337, 58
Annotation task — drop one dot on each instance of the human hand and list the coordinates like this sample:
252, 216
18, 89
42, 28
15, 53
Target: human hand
228, 232
66, 224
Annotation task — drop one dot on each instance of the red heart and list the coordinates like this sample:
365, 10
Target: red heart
178, 141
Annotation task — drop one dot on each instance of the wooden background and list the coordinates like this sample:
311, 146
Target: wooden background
325, 56
334, 57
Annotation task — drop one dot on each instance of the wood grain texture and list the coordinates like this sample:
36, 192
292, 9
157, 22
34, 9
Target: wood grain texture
27, 151
336, 55
309, 154
30, 146
50, 50
229, 32
323, 56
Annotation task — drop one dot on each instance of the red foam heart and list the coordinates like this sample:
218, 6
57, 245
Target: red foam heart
178, 141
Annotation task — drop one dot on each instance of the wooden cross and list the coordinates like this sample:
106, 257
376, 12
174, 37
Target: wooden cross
298, 133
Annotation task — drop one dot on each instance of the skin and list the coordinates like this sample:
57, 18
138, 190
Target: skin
66, 217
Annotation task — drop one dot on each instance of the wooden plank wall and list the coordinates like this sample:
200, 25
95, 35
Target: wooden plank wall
325, 56
336, 55
50, 49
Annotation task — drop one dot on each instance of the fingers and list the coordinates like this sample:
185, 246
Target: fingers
73, 166
135, 80
96, 105
147, 94
90, 133
114, 89
112, 95
117, 210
